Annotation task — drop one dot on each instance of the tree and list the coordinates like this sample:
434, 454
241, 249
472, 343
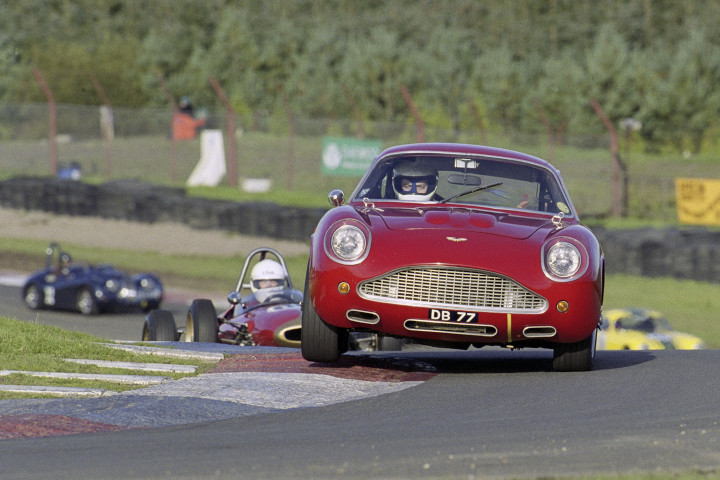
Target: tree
557, 96
374, 68
609, 92
441, 72
498, 76
687, 97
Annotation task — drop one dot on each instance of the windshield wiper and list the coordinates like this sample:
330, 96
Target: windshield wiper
472, 190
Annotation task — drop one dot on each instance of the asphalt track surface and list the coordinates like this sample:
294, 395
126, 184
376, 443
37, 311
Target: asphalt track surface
411, 414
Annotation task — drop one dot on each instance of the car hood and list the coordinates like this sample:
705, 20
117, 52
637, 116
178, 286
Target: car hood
462, 219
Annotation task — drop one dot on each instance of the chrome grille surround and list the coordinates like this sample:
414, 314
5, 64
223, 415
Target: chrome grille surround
451, 327
452, 288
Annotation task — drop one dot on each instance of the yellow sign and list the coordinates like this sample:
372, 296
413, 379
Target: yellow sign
698, 201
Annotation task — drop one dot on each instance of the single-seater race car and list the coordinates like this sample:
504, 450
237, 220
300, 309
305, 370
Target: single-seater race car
264, 310
89, 289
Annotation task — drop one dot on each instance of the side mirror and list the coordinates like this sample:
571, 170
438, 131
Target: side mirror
234, 298
336, 197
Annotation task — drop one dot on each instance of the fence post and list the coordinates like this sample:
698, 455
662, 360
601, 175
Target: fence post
291, 136
173, 145
419, 124
52, 121
619, 169
229, 133
107, 130
356, 112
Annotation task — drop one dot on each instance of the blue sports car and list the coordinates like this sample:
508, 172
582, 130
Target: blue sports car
89, 289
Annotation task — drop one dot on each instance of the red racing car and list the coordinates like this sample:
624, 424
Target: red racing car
455, 245
269, 315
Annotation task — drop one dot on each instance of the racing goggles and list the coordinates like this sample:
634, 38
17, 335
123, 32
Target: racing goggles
415, 185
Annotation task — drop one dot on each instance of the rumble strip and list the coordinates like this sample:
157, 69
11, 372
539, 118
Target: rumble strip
243, 384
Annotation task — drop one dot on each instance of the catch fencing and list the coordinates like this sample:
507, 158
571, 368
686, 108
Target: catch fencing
281, 149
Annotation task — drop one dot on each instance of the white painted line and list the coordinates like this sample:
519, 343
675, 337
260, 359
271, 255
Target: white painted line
168, 352
154, 367
59, 391
13, 280
125, 379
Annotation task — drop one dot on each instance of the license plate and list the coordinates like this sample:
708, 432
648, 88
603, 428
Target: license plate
452, 316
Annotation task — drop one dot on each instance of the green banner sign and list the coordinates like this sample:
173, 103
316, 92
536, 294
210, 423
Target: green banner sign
348, 157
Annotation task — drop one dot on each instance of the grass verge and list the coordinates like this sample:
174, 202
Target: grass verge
32, 347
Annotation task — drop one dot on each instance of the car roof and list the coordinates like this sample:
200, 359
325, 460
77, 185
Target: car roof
463, 149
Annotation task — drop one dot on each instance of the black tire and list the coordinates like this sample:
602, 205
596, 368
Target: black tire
319, 342
159, 327
86, 303
33, 297
389, 344
201, 324
575, 357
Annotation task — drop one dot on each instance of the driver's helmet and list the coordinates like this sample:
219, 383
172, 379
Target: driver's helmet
267, 274
65, 260
414, 182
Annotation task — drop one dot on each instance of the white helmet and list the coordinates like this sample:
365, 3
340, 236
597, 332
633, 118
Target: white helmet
413, 182
266, 270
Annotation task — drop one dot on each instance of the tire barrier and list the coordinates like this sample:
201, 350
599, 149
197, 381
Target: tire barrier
147, 203
691, 253
688, 253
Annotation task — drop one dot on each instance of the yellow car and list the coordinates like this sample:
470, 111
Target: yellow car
642, 329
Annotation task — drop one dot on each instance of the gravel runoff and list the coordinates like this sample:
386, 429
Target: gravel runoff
164, 237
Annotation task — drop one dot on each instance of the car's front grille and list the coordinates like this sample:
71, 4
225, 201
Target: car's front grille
453, 288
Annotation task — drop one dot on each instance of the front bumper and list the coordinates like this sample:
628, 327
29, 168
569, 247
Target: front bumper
458, 305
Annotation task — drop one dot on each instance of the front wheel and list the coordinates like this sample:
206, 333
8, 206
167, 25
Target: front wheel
202, 322
159, 327
575, 357
86, 303
319, 342
33, 297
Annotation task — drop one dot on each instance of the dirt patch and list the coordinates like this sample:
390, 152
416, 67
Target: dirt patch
169, 238
30, 426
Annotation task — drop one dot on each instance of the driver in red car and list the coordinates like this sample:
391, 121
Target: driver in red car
414, 182
267, 278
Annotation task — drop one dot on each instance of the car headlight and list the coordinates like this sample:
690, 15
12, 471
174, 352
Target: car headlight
564, 259
113, 285
348, 242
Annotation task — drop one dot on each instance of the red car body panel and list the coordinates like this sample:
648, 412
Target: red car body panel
273, 325
505, 243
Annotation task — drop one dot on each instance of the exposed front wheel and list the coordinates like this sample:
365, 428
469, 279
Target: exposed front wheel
575, 357
86, 303
33, 297
201, 324
319, 342
159, 327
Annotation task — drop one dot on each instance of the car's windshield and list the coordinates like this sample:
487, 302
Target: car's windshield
645, 323
473, 181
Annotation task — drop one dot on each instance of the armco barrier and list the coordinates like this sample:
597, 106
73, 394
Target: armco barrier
690, 253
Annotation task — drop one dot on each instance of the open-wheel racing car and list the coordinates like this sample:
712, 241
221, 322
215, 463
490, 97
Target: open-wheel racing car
268, 315
89, 289
455, 245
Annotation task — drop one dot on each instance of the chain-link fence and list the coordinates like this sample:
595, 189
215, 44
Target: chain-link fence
283, 150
